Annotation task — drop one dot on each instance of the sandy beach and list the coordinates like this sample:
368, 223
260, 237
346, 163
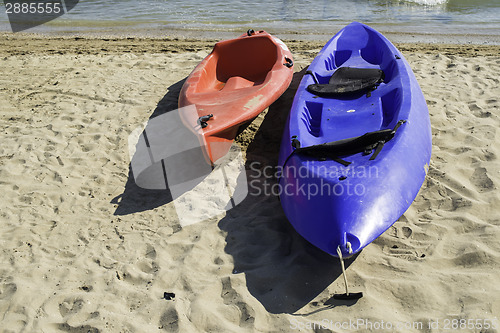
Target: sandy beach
83, 249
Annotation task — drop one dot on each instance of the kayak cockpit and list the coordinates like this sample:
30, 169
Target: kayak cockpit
237, 64
360, 83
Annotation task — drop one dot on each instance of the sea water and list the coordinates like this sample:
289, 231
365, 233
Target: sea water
463, 20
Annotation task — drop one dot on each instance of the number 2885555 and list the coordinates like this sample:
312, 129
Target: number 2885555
33, 8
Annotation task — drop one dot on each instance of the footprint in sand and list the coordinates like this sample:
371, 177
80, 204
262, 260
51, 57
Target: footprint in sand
7, 290
77, 329
169, 321
481, 180
230, 296
406, 232
70, 306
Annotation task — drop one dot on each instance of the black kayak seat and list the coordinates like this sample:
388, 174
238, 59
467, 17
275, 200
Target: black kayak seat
334, 150
347, 80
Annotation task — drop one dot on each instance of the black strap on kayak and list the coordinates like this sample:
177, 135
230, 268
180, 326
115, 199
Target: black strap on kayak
365, 143
309, 72
347, 80
379, 145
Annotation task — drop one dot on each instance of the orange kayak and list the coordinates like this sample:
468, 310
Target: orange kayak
239, 79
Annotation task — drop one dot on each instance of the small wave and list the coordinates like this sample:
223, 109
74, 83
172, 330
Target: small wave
428, 2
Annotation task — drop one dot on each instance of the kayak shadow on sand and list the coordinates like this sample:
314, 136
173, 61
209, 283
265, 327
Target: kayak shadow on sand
283, 271
134, 198
169, 164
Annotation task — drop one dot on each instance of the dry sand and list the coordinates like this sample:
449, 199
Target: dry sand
85, 250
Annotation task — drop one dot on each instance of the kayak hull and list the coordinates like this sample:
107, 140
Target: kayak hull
343, 207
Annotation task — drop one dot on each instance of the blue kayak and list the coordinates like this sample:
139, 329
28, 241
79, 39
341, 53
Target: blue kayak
357, 144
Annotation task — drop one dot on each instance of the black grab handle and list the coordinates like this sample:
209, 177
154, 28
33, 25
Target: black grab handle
203, 120
250, 32
288, 63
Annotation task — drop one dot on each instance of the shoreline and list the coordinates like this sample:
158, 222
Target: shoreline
29, 43
412, 33
408, 32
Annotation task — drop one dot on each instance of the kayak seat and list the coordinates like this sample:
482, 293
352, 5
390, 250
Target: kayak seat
348, 80
365, 143
237, 82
